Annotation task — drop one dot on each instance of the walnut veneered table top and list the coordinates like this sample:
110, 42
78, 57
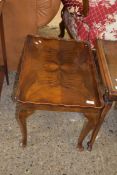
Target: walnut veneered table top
58, 72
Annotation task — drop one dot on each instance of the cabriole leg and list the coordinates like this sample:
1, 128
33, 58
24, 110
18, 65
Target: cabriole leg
21, 119
98, 126
88, 126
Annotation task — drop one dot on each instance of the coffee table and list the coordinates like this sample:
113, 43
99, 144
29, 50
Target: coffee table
3, 68
60, 75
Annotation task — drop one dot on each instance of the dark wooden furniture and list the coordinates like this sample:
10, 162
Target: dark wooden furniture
3, 68
107, 58
60, 75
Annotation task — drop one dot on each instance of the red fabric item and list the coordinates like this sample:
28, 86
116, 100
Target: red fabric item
100, 22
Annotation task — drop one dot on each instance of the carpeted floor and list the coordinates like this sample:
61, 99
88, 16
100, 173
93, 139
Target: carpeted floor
52, 138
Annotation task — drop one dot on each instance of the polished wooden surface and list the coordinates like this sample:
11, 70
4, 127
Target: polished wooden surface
107, 56
58, 72
85, 7
59, 75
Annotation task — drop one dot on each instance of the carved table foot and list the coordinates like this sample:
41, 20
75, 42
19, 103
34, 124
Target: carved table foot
89, 146
80, 147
